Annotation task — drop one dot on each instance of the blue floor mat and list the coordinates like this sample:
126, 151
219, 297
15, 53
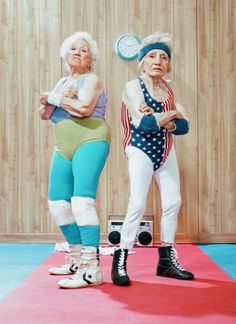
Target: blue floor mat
224, 255
17, 261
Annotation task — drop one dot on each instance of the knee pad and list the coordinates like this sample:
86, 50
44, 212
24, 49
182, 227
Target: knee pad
61, 212
84, 211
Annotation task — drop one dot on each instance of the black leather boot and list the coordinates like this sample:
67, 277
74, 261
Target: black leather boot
118, 272
169, 267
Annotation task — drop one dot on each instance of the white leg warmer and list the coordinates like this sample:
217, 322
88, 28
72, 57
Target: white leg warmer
61, 212
84, 211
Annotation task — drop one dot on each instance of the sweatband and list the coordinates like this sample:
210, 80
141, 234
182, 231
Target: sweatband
181, 127
54, 99
148, 125
150, 47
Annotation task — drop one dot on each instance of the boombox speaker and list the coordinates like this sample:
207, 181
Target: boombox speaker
144, 236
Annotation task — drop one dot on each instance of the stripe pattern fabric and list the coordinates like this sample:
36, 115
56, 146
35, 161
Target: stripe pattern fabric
156, 145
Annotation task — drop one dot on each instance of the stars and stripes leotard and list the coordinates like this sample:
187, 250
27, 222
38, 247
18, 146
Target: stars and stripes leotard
156, 144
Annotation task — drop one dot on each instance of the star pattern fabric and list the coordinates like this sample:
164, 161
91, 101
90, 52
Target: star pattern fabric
153, 144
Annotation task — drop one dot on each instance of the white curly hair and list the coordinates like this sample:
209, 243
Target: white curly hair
72, 39
158, 36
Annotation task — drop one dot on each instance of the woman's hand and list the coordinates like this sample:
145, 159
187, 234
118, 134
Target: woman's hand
165, 117
45, 111
169, 126
143, 108
70, 93
44, 98
179, 115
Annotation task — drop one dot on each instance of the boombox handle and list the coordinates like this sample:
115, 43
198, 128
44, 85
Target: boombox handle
122, 217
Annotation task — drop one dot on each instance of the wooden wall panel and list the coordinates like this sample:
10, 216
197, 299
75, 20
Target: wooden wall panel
203, 68
227, 78
185, 77
209, 117
9, 111
50, 71
72, 17
117, 72
27, 145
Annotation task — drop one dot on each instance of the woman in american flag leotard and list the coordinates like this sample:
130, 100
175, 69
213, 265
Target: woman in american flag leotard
151, 114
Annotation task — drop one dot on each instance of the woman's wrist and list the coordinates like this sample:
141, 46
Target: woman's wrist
156, 115
172, 114
173, 124
54, 99
182, 127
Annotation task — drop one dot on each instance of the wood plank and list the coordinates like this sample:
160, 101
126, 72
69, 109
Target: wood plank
227, 18
28, 213
207, 238
185, 77
9, 111
209, 117
72, 17
116, 76
49, 74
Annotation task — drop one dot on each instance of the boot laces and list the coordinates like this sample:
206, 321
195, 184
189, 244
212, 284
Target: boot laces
83, 265
74, 260
121, 264
79, 272
173, 256
175, 252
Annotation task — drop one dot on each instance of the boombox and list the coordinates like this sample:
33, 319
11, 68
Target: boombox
144, 236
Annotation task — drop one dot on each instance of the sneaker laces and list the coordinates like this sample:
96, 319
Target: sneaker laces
174, 256
71, 258
74, 260
80, 270
83, 264
121, 264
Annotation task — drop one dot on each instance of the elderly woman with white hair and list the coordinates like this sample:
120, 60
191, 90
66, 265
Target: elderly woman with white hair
77, 108
152, 113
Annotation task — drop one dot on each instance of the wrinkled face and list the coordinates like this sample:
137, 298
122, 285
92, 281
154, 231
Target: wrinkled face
79, 56
156, 63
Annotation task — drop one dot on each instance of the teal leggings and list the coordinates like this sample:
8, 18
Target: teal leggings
80, 176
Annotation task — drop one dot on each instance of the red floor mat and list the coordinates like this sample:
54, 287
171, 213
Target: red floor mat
151, 299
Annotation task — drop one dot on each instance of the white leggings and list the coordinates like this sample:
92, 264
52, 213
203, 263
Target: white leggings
140, 174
